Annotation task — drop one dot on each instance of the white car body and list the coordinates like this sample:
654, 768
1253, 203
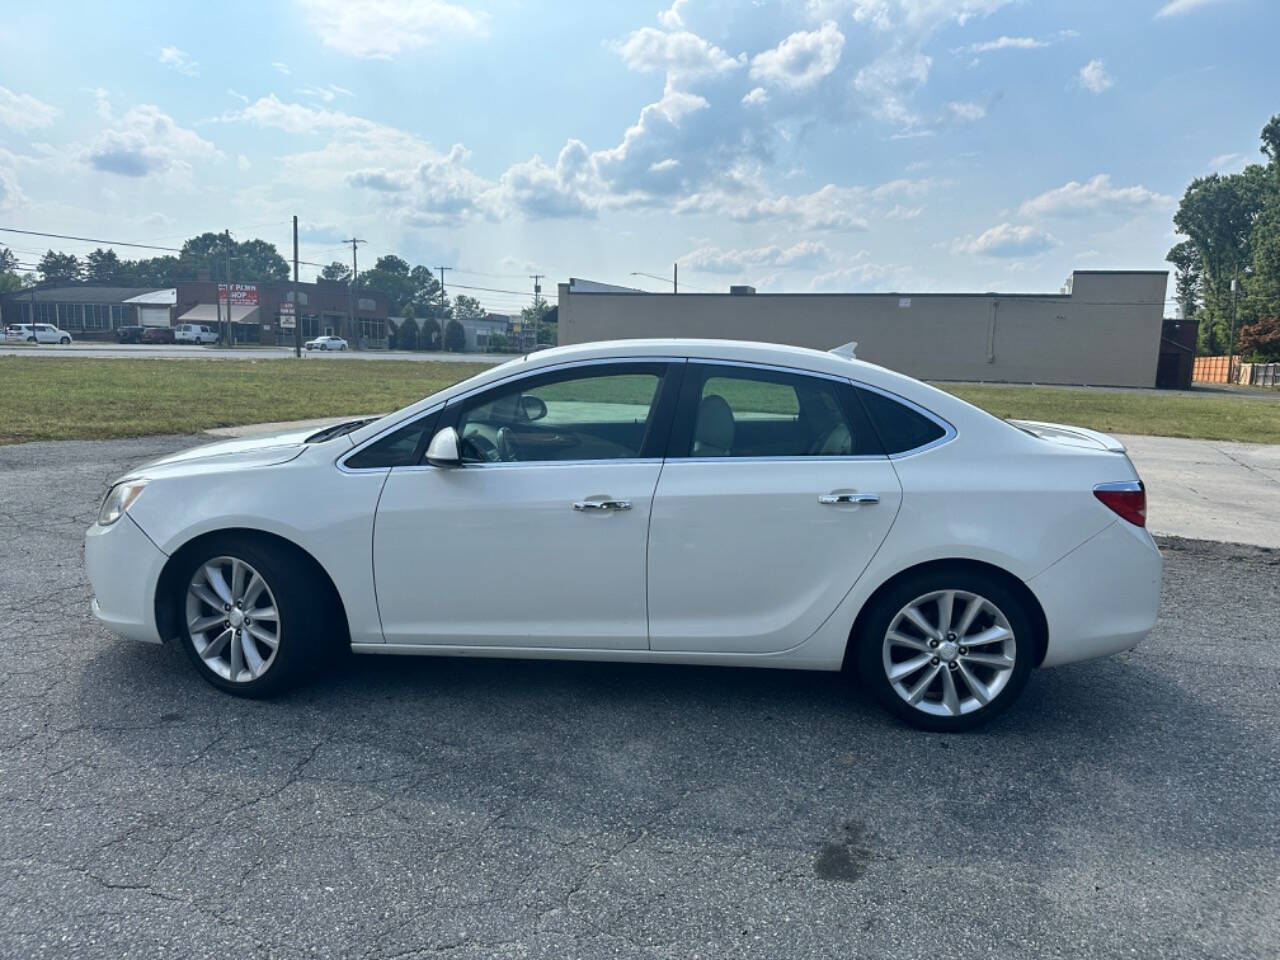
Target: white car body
194, 333
717, 561
326, 343
42, 333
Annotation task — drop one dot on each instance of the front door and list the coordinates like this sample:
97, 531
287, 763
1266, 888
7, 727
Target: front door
538, 539
774, 499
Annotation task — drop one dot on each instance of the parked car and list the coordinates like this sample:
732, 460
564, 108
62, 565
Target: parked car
326, 343
37, 333
194, 333
712, 502
129, 334
158, 335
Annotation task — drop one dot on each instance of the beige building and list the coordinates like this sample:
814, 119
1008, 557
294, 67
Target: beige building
1103, 328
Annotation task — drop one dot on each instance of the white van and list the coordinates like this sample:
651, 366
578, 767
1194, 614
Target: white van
194, 333
37, 333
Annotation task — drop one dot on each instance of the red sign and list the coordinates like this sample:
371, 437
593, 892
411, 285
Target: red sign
240, 294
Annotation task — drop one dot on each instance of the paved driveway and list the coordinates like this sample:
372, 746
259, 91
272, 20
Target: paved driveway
477, 809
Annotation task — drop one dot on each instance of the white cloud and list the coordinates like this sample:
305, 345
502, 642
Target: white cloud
965, 110
856, 276
327, 93
742, 195
802, 255
1007, 240
271, 111
180, 60
385, 28
802, 59
887, 84
1093, 196
755, 97
1176, 8
1093, 76
915, 14
1016, 43
231, 92
672, 18
681, 54
281, 67
242, 162
146, 141
1227, 163
24, 112
541, 191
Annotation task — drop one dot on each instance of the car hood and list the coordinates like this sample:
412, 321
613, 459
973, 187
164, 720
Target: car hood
258, 451
1070, 436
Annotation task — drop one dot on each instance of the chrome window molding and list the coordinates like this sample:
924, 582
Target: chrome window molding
949, 432
508, 465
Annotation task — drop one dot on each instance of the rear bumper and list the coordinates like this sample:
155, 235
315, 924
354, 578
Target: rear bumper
124, 567
1101, 598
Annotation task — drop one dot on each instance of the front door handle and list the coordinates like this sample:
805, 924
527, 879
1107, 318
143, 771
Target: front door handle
602, 505
861, 499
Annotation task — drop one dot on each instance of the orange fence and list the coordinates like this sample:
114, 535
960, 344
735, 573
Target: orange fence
1214, 369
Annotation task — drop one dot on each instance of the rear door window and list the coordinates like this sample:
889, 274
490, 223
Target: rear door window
901, 427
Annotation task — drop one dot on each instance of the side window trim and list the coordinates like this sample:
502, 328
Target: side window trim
948, 431
424, 418
662, 410
681, 440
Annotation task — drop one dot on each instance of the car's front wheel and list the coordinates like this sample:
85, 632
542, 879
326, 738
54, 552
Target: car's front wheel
65, 341
252, 625
947, 650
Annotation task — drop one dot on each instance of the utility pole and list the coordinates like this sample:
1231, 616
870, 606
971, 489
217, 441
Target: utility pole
231, 330
675, 278
1231, 340
537, 298
297, 307
444, 305
353, 335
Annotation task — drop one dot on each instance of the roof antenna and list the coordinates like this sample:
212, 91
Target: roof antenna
846, 350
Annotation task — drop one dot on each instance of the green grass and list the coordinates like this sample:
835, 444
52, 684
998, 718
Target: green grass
84, 399
79, 399
1207, 416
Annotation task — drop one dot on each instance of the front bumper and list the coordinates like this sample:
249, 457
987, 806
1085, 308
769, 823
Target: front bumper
1102, 597
124, 567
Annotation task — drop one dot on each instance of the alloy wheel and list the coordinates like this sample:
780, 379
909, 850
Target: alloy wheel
233, 619
949, 652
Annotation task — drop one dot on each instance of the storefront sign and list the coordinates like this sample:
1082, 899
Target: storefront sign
240, 294
287, 315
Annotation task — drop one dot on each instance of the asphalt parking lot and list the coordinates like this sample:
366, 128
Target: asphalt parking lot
415, 808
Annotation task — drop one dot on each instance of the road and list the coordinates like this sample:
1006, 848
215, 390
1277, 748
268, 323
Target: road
477, 809
178, 351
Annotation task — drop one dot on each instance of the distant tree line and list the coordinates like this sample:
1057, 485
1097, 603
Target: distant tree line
1232, 226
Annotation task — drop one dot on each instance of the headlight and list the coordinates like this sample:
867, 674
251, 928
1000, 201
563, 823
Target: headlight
118, 499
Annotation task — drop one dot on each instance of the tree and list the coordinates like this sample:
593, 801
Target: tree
467, 308
8, 261
336, 271
455, 337
430, 335
498, 343
1188, 276
407, 338
59, 268
104, 267
1260, 340
251, 260
390, 275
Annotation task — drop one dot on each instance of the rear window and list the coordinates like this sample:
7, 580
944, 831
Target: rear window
900, 427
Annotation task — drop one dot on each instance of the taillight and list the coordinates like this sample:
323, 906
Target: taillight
1127, 499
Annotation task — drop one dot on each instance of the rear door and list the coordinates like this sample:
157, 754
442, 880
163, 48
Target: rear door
774, 498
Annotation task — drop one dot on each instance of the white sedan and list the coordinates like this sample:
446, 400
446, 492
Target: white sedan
673, 501
326, 343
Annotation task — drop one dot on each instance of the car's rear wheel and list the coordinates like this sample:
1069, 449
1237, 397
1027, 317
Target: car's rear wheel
252, 624
947, 650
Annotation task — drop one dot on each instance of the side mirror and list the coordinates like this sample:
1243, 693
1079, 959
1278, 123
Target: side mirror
442, 451
532, 408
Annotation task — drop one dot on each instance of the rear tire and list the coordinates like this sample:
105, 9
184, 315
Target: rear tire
946, 650
248, 639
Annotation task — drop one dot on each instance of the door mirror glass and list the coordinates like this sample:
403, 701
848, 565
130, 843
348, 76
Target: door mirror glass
443, 449
532, 408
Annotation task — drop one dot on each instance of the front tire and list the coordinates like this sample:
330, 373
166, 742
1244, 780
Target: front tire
946, 650
252, 623
65, 341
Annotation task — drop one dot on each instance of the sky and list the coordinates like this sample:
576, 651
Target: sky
827, 145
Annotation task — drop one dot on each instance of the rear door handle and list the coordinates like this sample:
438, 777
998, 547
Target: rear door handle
602, 505
862, 499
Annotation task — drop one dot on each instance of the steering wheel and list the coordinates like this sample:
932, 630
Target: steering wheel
482, 447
